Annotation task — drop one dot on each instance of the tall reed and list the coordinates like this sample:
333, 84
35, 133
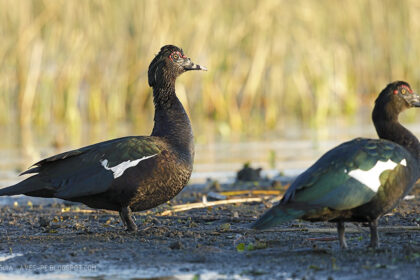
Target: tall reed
268, 60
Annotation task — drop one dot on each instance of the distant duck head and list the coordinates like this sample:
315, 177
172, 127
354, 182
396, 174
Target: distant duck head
168, 64
395, 98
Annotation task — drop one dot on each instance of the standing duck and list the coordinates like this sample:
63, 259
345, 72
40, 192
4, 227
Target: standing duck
131, 173
359, 180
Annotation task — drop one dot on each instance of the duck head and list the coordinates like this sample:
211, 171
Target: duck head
168, 64
395, 98
404, 96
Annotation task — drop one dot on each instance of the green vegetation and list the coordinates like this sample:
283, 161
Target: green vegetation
269, 61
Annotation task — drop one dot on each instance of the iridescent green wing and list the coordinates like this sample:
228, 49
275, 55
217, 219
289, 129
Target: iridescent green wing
349, 175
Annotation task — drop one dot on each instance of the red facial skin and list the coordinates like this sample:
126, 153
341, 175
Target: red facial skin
176, 52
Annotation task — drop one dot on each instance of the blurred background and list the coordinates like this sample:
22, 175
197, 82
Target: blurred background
287, 79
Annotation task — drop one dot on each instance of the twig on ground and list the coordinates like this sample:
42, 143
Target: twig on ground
253, 192
189, 206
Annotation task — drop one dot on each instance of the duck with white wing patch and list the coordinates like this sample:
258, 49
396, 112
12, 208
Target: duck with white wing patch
131, 173
359, 180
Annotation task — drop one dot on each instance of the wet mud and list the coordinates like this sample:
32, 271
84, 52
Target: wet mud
57, 239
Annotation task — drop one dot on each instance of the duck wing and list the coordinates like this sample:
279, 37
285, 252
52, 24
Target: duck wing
345, 177
85, 171
349, 175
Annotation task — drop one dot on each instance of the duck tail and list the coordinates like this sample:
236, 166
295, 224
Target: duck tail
277, 215
26, 186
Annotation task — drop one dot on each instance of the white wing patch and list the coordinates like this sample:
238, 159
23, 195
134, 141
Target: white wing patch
119, 169
370, 178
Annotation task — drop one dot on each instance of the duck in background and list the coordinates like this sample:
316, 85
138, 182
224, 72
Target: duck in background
359, 180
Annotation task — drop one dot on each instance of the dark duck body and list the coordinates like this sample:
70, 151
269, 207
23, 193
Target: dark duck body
131, 173
359, 180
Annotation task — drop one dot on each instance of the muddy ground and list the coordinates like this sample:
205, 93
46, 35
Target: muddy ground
50, 239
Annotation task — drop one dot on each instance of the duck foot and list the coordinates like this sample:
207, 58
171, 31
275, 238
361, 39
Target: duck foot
374, 237
341, 236
127, 219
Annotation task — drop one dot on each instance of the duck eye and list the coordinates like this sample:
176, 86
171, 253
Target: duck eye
403, 91
174, 56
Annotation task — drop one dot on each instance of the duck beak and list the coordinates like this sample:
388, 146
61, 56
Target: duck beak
413, 99
189, 65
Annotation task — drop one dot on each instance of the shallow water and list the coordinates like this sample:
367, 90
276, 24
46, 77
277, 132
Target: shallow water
288, 151
77, 271
4, 257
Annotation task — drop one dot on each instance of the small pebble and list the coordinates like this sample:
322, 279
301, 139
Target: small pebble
176, 245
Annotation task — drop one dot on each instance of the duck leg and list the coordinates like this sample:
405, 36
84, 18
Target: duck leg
341, 237
127, 219
374, 237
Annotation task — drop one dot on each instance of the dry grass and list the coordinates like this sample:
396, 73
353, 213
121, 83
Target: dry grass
86, 61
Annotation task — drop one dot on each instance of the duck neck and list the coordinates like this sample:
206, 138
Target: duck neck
171, 120
388, 127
